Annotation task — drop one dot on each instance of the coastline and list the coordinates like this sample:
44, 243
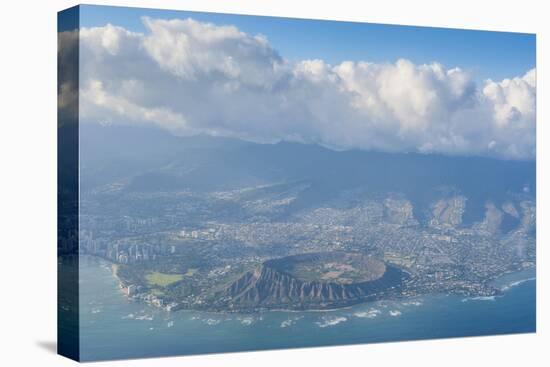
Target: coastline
502, 288
198, 331
114, 269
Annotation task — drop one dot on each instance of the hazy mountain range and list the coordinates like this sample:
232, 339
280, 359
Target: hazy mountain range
152, 160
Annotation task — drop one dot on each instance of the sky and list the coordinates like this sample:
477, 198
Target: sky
486, 54
337, 84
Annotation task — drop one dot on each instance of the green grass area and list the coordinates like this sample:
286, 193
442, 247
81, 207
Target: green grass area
162, 279
191, 272
157, 292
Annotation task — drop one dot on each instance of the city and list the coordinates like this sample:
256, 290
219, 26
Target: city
191, 240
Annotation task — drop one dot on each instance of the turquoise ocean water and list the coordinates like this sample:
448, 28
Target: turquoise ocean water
113, 327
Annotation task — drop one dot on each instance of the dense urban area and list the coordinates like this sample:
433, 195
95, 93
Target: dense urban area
186, 250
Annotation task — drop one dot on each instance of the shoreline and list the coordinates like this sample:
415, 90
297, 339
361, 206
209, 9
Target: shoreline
504, 287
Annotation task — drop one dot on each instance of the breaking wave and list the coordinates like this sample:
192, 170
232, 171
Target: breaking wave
370, 314
331, 321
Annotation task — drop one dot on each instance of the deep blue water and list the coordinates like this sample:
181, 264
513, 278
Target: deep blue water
113, 327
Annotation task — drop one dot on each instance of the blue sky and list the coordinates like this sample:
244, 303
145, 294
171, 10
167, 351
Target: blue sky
408, 96
487, 55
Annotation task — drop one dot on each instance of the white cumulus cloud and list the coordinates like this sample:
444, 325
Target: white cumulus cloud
192, 77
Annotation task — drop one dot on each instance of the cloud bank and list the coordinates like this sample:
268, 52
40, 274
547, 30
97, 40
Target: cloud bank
191, 77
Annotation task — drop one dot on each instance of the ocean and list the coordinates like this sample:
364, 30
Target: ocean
113, 327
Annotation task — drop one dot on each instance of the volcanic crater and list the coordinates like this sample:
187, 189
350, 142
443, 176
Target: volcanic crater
313, 281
